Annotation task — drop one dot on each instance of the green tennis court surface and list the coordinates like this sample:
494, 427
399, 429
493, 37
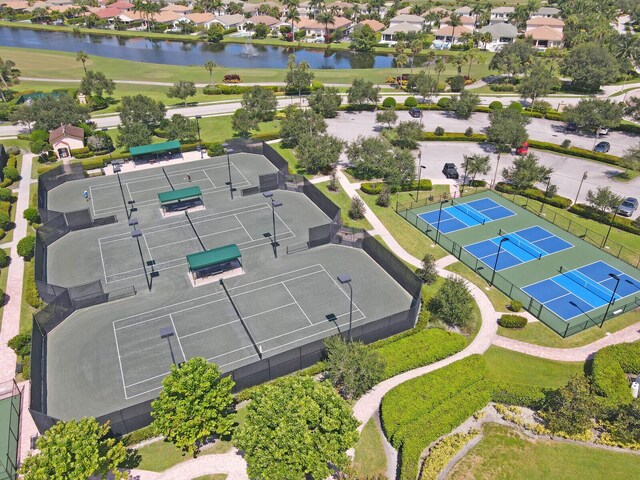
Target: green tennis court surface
110, 356
532, 260
9, 426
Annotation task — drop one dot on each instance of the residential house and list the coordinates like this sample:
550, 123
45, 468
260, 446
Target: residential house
66, 138
133, 17
551, 22
389, 35
467, 22
546, 37
463, 10
501, 14
501, 34
171, 19
183, 9
318, 29
546, 12
269, 21
447, 36
201, 19
16, 5
375, 25
410, 19
231, 21
106, 13
122, 5
59, 3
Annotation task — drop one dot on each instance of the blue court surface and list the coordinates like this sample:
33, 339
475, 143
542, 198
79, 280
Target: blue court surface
579, 291
522, 246
463, 215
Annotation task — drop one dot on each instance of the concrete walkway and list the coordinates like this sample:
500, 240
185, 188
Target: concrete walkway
230, 463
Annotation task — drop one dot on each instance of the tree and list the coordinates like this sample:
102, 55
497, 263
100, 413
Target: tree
291, 14
539, 83
625, 424
571, 408
326, 19
49, 112
261, 31
603, 199
296, 428
141, 109
260, 103
525, 171
20, 344
195, 402
298, 77
439, 67
9, 75
401, 61
23, 114
416, 47
210, 66
423, 84
76, 450
96, 83
592, 114
514, 58
298, 123
100, 141
352, 367
363, 39
475, 164
319, 153
182, 90
590, 66
243, 121
427, 271
26, 245
357, 208
454, 21
390, 117
631, 159
133, 135
632, 108
506, 128
325, 101
453, 303
215, 33
362, 91
408, 134
182, 128
82, 56
463, 105
374, 157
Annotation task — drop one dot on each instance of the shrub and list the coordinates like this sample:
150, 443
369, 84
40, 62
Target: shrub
21, 344
591, 213
439, 131
468, 132
608, 371
93, 163
516, 106
80, 151
384, 198
372, 188
5, 221
504, 87
453, 137
215, 149
444, 103
389, 102
531, 396
566, 143
31, 215
512, 321
495, 105
26, 247
357, 208
410, 102
515, 305
478, 183
443, 452
231, 78
13, 150
5, 259
535, 194
26, 367
453, 303
5, 195
31, 292
138, 436
11, 173
457, 83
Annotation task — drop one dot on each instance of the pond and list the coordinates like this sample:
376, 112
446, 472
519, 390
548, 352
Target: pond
174, 52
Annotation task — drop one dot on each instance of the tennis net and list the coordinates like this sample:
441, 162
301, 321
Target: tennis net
587, 283
470, 212
530, 248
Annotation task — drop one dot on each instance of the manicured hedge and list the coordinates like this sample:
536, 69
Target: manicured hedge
535, 194
576, 152
138, 436
374, 188
221, 89
608, 371
80, 151
423, 348
443, 452
31, 292
627, 127
453, 137
591, 213
531, 396
512, 321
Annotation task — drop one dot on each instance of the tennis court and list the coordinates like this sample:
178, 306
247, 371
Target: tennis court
580, 291
462, 215
515, 248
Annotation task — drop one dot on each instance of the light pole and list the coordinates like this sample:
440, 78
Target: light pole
198, 117
137, 234
613, 297
495, 175
584, 177
495, 265
546, 192
167, 332
346, 279
116, 170
274, 204
613, 219
105, 129
464, 179
420, 167
439, 216
229, 151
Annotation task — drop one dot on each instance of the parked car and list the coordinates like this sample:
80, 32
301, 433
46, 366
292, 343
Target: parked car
415, 112
603, 131
571, 127
523, 149
450, 171
628, 207
602, 147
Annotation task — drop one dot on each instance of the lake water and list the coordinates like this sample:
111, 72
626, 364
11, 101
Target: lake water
173, 52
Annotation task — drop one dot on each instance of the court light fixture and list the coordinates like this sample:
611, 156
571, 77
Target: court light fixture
229, 151
274, 204
345, 279
168, 332
137, 234
613, 297
495, 265
439, 216
133, 222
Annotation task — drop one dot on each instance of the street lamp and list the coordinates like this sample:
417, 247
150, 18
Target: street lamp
495, 175
420, 167
137, 234
439, 216
167, 332
229, 151
198, 117
495, 265
116, 169
613, 219
105, 129
274, 204
584, 177
613, 297
546, 192
346, 279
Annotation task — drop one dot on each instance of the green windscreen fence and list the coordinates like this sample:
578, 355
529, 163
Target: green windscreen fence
179, 195
214, 256
9, 429
155, 148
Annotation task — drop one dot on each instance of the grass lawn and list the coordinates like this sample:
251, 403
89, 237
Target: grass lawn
507, 366
4, 273
26, 310
212, 476
410, 238
504, 453
498, 299
290, 156
539, 334
341, 199
158, 456
370, 460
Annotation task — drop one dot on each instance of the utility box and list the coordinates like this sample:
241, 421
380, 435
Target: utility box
635, 387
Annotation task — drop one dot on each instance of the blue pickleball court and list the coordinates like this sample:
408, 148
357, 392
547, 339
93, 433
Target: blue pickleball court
464, 215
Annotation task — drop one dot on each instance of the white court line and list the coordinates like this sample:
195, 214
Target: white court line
145, 242
194, 238
245, 229
178, 338
124, 386
208, 178
241, 174
296, 302
104, 268
91, 198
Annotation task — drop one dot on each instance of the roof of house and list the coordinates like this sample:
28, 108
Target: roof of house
375, 25
466, 10
64, 131
131, 16
108, 12
464, 19
267, 20
60, 8
311, 24
540, 21
229, 20
176, 8
498, 30
402, 28
407, 19
341, 4
122, 5
547, 11
15, 4
545, 33
503, 10
404, 11
200, 18
447, 31
167, 17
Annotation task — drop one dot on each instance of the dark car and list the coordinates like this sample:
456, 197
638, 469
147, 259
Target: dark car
415, 112
602, 147
628, 207
571, 126
450, 171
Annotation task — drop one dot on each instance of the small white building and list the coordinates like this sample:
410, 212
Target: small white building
230, 21
66, 138
389, 35
447, 36
501, 14
501, 34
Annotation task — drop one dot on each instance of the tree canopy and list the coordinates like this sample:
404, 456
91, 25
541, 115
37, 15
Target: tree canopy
325, 101
299, 76
514, 58
96, 83
260, 103
374, 157
590, 66
49, 112
133, 135
452, 302
362, 91
141, 109
319, 153
525, 171
181, 128
593, 113
182, 90
363, 39
462, 106
507, 126
298, 122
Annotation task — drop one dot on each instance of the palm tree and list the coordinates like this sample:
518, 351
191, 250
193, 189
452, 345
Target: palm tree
416, 48
293, 16
430, 57
433, 19
485, 38
82, 56
477, 10
401, 61
439, 68
400, 46
210, 66
317, 6
454, 21
327, 19
459, 61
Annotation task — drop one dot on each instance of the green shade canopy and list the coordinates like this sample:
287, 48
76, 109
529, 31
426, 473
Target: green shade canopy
179, 195
155, 148
214, 256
